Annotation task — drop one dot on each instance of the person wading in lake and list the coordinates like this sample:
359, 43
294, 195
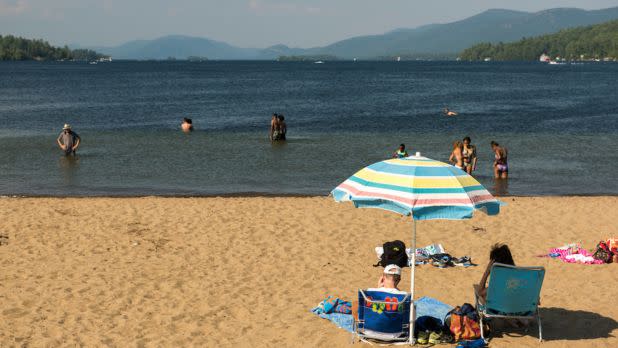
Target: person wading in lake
186, 125
501, 165
278, 128
68, 140
469, 155
457, 155
283, 128
273, 133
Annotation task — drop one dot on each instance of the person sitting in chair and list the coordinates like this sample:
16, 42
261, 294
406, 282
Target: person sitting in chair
500, 253
389, 280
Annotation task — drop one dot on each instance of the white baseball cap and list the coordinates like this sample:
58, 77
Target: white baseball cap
392, 269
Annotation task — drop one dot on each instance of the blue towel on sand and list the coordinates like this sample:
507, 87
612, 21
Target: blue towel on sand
424, 306
431, 307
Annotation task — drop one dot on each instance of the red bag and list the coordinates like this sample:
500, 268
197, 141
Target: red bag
464, 323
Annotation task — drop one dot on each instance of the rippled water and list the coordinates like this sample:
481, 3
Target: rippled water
560, 124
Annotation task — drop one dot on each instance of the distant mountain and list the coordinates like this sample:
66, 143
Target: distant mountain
491, 26
180, 47
582, 43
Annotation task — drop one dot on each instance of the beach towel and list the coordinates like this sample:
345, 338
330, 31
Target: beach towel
573, 253
336, 310
425, 306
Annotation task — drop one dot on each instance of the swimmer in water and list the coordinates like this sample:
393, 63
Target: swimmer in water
401, 152
449, 113
187, 125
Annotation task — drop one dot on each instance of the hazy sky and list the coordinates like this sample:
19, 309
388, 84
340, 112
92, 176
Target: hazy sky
247, 23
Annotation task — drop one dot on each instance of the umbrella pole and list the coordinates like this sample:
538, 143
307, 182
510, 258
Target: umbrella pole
412, 267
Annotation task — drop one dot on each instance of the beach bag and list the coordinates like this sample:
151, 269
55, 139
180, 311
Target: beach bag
463, 322
394, 254
603, 253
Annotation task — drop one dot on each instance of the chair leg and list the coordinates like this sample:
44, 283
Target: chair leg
481, 320
538, 318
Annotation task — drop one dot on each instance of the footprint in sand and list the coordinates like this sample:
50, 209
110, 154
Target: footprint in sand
4, 239
15, 313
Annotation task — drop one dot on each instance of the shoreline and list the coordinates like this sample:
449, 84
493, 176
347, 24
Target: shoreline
267, 195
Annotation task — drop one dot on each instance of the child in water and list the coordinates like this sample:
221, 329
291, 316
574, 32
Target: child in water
401, 152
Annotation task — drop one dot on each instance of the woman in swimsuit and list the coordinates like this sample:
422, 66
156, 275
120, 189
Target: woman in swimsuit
457, 155
469, 155
273, 133
501, 165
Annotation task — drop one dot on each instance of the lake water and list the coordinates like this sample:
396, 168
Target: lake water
560, 124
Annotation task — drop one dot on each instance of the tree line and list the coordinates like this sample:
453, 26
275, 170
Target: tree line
18, 48
581, 43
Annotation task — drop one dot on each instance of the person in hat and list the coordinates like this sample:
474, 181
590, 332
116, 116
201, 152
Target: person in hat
389, 280
68, 140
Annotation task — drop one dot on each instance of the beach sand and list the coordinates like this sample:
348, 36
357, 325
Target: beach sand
245, 271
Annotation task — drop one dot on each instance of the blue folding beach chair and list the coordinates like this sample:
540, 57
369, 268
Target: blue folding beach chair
513, 293
383, 316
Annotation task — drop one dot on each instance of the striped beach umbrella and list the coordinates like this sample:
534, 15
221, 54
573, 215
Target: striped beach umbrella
419, 187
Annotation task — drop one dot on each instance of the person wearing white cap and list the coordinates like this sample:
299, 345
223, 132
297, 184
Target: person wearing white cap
68, 140
390, 279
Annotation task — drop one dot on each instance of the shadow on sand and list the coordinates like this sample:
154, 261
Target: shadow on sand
563, 324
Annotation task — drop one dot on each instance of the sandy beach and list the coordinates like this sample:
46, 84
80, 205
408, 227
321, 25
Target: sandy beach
172, 272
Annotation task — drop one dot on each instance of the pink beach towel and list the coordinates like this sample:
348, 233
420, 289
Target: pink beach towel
575, 255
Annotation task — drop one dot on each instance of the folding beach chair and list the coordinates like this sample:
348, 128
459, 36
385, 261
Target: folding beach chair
383, 316
513, 293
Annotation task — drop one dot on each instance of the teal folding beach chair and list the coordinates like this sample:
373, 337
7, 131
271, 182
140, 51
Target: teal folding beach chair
513, 293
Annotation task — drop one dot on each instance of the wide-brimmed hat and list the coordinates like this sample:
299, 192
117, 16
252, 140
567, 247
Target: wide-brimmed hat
66, 126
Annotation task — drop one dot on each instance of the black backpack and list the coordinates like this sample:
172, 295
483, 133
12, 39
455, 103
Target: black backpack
394, 254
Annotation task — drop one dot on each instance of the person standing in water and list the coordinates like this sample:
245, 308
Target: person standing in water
400, 152
456, 157
273, 133
501, 165
469, 155
283, 129
186, 125
68, 140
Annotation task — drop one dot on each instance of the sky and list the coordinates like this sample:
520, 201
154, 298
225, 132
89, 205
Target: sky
244, 23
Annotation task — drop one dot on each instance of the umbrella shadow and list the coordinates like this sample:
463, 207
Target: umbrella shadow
564, 324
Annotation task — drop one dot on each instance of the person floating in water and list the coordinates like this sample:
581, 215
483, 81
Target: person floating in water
186, 125
469, 155
278, 128
501, 165
448, 112
68, 140
400, 152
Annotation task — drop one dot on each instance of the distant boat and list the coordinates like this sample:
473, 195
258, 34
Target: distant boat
399, 59
93, 63
544, 58
318, 62
553, 62
487, 59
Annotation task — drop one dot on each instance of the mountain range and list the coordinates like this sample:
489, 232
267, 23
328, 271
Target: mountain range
496, 25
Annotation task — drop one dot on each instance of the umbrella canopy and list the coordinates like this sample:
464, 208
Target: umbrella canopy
421, 187
417, 186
